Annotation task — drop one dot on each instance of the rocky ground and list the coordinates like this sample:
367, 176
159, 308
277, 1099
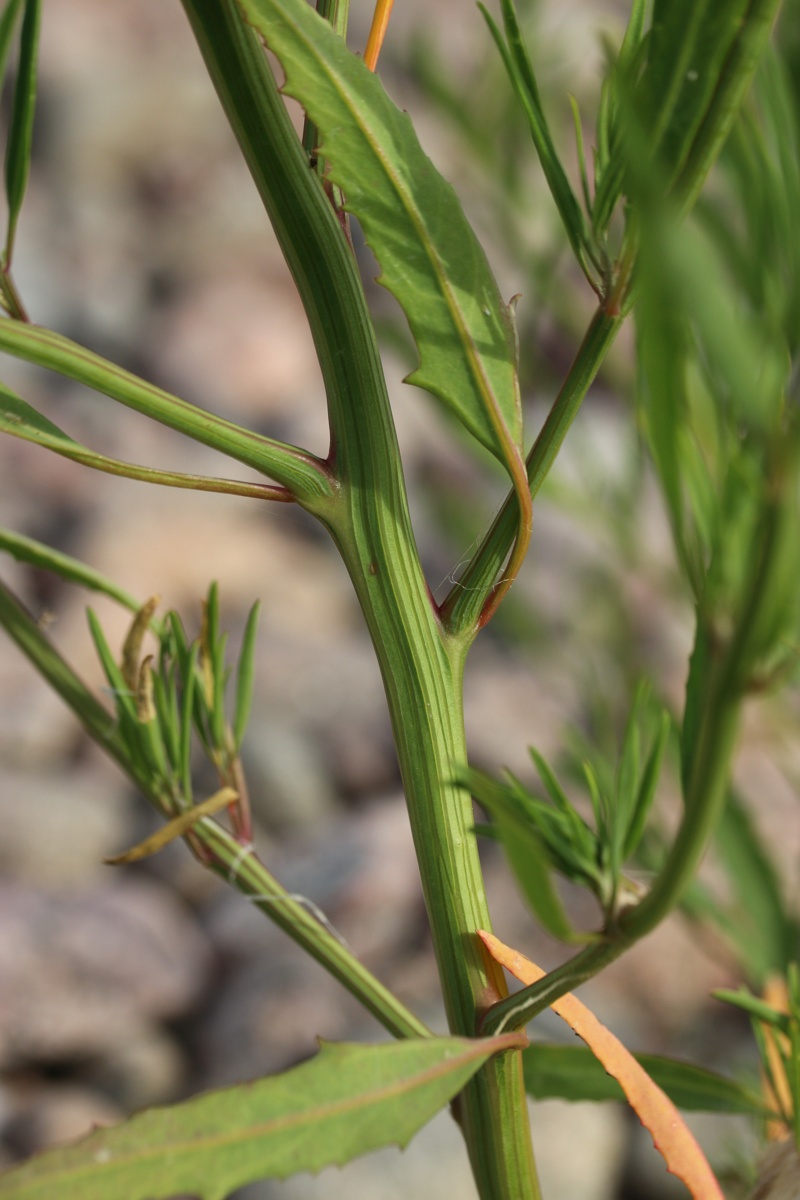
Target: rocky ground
122, 988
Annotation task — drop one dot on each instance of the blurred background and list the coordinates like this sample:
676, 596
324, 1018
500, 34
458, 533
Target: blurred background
143, 237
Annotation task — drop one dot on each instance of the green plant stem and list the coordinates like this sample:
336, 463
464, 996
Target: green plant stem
368, 519
422, 672
10, 297
336, 13
461, 608
249, 875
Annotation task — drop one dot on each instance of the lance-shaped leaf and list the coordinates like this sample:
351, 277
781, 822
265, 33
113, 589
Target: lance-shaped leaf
346, 1101
244, 677
21, 420
429, 256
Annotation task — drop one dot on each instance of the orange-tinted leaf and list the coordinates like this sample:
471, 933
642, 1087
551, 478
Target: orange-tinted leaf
654, 1109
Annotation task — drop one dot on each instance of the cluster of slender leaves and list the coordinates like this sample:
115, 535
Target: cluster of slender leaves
163, 704
667, 98
540, 835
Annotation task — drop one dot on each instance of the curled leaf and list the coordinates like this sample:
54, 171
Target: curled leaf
132, 646
145, 706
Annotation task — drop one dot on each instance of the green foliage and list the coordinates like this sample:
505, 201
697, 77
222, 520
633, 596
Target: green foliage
539, 835
21, 420
8, 22
573, 1073
28, 550
20, 135
701, 57
523, 79
717, 302
529, 849
161, 705
303, 474
761, 924
429, 256
346, 1101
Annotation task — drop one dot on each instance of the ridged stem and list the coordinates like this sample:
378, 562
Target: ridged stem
369, 521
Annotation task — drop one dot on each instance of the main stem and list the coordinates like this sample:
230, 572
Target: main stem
369, 521
423, 672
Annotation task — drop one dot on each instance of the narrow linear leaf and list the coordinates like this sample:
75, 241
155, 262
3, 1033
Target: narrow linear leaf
20, 134
754, 1007
573, 1073
702, 56
655, 1110
8, 22
429, 256
647, 788
633, 33
25, 549
576, 121
523, 79
21, 420
220, 675
548, 778
346, 1101
175, 828
165, 699
627, 778
304, 474
244, 677
123, 694
189, 678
